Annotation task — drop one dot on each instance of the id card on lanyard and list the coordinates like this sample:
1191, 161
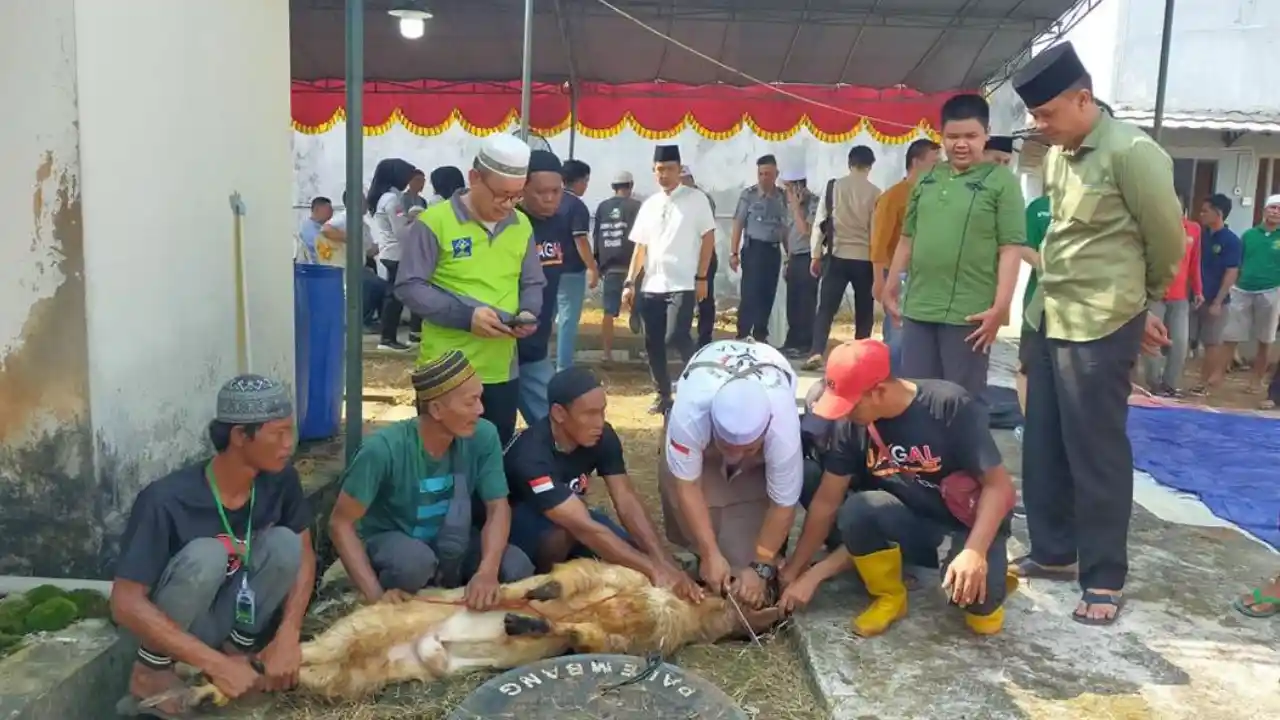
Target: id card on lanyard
246, 604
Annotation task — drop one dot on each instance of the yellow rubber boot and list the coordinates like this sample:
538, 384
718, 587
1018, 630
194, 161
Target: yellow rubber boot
986, 624
882, 574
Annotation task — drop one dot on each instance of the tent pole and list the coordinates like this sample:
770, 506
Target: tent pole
1162, 77
573, 118
526, 74
355, 228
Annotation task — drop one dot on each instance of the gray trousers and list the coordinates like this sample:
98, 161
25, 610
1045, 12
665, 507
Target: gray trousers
939, 351
1165, 370
198, 596
875, 520
405, 563
1077, 464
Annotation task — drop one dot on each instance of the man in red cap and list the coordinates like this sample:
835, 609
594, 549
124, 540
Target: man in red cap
932, 471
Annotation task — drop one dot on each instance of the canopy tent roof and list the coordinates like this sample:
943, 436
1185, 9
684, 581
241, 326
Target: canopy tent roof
928, 45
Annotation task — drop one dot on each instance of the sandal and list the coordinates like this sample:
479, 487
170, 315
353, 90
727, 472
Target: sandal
1267, 405
1246, 605
1032, 570
130, 706
1199, 391
1092, 598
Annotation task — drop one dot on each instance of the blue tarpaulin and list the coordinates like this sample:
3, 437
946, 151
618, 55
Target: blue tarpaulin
1231, 462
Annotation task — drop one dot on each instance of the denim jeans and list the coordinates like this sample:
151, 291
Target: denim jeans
893, 334
534, 377
573, 288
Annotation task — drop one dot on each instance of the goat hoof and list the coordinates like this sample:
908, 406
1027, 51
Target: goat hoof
547, 591
524, 625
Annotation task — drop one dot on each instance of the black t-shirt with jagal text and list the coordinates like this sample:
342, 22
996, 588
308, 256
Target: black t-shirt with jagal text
180, 507
543, 476
942, 431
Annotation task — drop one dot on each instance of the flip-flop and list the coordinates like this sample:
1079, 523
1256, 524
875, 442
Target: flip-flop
1267, 405
1245, 607
1092, 598
1032, 570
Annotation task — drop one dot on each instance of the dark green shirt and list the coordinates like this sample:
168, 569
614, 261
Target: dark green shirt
1038, 218
1117, 238
1260, 259
404, 489
957, 222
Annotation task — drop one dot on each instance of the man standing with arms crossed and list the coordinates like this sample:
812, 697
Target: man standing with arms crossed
1112, 250
886, 228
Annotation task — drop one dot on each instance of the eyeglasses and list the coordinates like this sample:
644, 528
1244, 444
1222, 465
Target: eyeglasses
502, 198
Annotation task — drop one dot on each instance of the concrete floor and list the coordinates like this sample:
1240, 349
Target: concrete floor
1178, 651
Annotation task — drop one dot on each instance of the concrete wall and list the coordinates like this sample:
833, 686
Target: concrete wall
1220, 54
181, 105
721, 167
49, 499
125, 132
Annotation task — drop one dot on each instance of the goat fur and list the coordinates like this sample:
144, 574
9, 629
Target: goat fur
582, 606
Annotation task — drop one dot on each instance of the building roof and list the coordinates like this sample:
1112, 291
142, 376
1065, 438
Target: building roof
929, 45
1219, 120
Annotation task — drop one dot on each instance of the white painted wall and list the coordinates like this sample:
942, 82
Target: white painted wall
181, 104
43, 132
1221, 56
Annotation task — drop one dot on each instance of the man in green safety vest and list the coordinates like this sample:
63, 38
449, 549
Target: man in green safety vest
470, 268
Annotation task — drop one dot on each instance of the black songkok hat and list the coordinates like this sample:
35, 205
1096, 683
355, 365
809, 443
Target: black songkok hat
1000, 143
544, 161
1048, 75
570, 384
666, 153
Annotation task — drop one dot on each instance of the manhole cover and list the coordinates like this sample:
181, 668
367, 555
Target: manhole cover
598, 687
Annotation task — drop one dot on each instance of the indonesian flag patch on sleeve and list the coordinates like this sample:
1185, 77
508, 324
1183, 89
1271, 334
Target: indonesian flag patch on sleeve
541, 485
679, 448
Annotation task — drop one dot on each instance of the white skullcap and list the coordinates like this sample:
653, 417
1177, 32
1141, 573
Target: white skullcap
505, 155
740, 411
623, 178
685, 171
1273, 200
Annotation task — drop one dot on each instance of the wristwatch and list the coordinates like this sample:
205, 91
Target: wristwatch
765, 570
628, 285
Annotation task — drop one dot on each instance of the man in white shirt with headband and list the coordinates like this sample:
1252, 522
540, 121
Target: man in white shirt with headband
732, 467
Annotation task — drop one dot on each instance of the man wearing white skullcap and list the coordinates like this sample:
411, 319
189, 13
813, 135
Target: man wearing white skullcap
732, 468
470, 268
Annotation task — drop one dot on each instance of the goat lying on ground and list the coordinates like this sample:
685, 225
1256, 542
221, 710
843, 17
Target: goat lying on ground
584, 605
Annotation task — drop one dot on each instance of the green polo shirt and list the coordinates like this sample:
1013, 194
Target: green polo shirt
1260, 261
403, 489
957, 222
1038, 218
1117, 238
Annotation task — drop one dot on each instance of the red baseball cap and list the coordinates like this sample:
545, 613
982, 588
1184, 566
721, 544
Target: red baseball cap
852, 369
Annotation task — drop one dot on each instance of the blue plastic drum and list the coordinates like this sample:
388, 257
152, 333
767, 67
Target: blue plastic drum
319, 307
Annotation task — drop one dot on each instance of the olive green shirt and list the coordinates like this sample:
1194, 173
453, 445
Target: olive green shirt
1116, 237
957, 222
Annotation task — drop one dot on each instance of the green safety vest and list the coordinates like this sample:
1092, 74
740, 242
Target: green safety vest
484, 268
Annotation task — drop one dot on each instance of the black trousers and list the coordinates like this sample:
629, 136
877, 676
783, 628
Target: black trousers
668, 320
837, 274
707, 308
1077, 465
501, 403
761, 263
876, 520
802, 302
392, 308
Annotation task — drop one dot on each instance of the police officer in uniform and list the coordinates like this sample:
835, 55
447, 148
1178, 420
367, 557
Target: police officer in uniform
1112, 248
760, 219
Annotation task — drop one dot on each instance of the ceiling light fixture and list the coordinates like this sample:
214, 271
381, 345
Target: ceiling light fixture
413, 17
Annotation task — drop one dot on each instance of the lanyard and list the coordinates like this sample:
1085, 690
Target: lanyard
222, 513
